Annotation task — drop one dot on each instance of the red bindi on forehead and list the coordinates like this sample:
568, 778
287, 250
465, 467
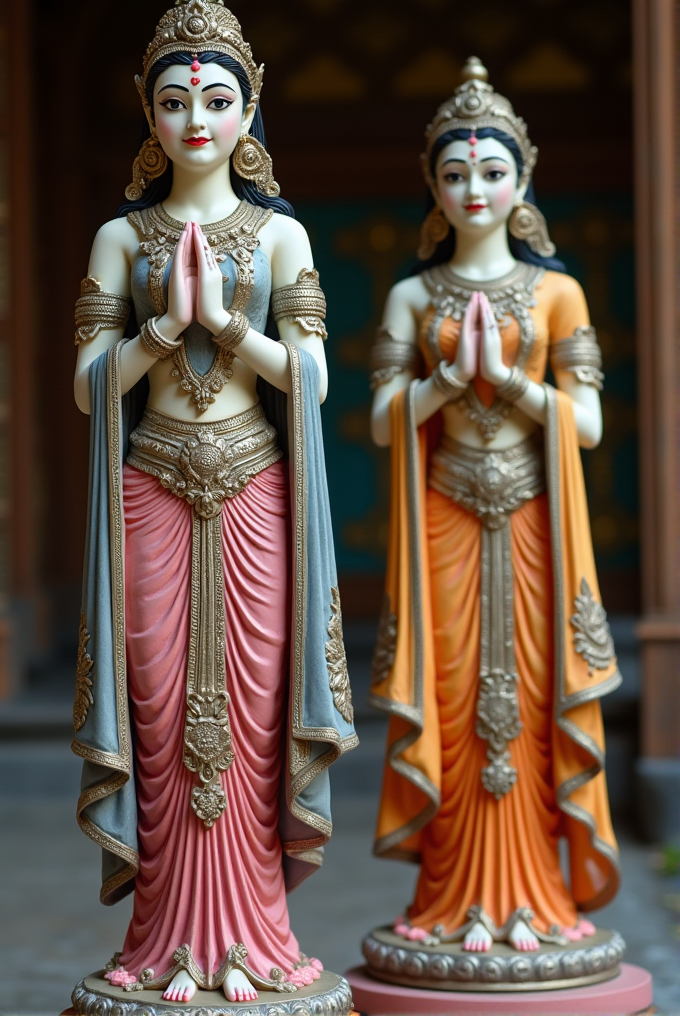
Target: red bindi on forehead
472, 141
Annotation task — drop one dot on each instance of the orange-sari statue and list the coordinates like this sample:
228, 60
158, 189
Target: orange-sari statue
493, 648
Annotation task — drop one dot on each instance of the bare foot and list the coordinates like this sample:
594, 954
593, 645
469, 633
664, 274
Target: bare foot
582, 929
182, 988
238, 988
522, 938
477, 939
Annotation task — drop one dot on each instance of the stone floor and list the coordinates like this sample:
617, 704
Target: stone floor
53, 929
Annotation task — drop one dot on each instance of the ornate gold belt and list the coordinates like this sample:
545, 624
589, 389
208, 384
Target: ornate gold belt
204, 463
492, 485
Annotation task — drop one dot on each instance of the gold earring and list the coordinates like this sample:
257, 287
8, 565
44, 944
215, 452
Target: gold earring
528, 224
149, 164
434, 229
252, 161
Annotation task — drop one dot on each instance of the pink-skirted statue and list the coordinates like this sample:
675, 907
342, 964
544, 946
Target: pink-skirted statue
212, 690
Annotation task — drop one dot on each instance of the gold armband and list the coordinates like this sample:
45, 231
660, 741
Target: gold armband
579, 354
96, 310
389, 356
303, 303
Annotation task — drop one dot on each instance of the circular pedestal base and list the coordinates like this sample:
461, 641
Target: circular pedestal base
447, 967
628, 993
329, 996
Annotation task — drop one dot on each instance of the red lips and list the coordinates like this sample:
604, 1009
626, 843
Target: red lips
196, 142
474, 208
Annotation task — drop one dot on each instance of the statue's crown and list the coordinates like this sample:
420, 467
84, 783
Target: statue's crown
474, 105
197, 26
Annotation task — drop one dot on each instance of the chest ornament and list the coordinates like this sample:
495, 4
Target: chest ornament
511, 296
236, 237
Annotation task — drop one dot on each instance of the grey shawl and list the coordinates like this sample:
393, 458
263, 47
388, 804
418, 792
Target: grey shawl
320, 718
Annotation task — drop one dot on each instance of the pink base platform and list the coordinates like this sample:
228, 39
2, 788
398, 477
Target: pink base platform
630, 992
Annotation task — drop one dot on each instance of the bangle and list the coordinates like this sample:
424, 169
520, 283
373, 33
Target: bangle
234, 333
155, 343
514, 388
448, 383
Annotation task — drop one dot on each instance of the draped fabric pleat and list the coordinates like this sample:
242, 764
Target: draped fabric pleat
477, 850
208, 888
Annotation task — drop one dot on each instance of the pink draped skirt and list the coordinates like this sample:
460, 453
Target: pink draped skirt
208, 888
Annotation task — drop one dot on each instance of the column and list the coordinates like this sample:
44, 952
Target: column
655, 42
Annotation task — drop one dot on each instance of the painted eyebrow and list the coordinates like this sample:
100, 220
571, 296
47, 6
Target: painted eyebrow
180, 88
218, 84
489, 158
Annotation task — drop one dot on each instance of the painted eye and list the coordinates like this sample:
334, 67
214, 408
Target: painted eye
219, 103
495, 174
173, 104
453, 177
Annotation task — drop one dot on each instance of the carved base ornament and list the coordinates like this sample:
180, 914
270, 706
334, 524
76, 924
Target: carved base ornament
330, 995
444, 966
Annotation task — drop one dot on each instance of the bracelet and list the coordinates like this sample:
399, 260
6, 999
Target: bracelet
234, 333
514, 388
448, 383
155, 343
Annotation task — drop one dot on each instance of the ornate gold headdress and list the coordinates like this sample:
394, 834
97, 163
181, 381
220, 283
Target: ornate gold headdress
474, 105
198, 26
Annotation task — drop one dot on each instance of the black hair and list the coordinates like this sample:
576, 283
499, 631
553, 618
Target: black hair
519, 249
159, 188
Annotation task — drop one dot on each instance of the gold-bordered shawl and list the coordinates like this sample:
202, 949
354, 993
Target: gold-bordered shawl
320, 726
404, 680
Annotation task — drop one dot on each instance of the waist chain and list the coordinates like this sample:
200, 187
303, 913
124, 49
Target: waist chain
492, 485
204, 463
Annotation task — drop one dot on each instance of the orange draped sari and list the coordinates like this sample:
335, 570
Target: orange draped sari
474, 849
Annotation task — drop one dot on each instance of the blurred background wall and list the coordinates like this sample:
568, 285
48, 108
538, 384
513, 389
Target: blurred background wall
349, 88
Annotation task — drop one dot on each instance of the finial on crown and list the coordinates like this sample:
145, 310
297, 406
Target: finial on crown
474, 105
474, 70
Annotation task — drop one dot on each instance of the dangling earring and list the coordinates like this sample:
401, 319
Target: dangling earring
434, 229
528, 224
151, 162
252, 161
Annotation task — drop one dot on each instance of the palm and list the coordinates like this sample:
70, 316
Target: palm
470, 340
183, 282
